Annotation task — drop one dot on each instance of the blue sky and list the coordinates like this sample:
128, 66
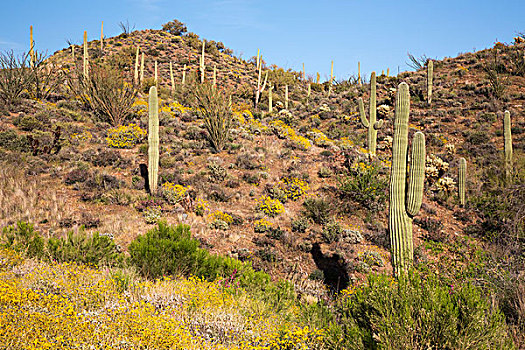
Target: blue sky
289, 32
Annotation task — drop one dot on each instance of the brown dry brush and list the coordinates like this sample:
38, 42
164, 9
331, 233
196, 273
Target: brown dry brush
106, 92
46, 79
15, 76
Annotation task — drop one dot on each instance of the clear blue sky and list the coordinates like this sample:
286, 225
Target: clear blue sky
289, 32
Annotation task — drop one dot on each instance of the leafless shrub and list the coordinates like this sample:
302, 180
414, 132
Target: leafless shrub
15, 76
45, 79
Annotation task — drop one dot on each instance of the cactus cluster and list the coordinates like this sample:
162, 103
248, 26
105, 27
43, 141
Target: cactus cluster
372, 124
404, 204
153, 139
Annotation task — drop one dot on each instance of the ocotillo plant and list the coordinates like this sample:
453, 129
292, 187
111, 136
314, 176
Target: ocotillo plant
172, 78
404, 204
136, 76
371, 124
86, 69
286, 97
201, 62
430, 76
462, 176
508, 144
142, 67
153, 139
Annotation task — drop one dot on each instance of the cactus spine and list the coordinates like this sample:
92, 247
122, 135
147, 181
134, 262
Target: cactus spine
371, 124
201, 62
171, 78
508, 144
286, 97
153, 139
430, 73
142, 67
86, 69
136, 76
462, 180
404, 204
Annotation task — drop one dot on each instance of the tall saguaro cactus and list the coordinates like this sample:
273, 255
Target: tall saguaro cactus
31, 47
153, 139
331, 78
136, 76
270, 101
184, 75
142, 67
462, 177
172, 79
86, 69
508, 144
102, 36
404, 204
201, 62
430, 76
260, 89
156, 75
371, 124
286, 97
359, 73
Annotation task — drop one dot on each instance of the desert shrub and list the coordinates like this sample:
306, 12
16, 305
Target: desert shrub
332, 232
262, 226
95, 249
23, 238
300, 224
217, 173
317, 209
125, 136
174, 193
269, 206
213, 106
106, 92
15, 76
45, 80
10, 140
416, 312
364, 186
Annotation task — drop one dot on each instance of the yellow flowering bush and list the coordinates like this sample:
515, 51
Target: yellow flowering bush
179, 108
269, 206
68, 306
286, 132
125, 136
293, 188
174, 193
219, 215
319, 138
262, 225
84, 136
201, 207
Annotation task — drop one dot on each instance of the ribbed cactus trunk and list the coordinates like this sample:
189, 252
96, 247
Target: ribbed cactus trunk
308, 94
156, 75
462, 178
142, 67
184, 75
201, 62
31, 47
331, 78
214, 76
372, 124
507, 133
286, 97
153, 139
270, 102
359, 73
172, 79
404, 204
430, 76
85, 66
102, 36
136, 75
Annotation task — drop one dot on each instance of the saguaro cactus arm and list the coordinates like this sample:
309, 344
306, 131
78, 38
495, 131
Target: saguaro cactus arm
372, 124
417, 174
364, 121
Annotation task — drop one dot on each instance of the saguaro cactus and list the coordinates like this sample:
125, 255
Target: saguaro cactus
270, 102
136, 76
142, 67
462, 176
286, 97
153, 139
404, 204
308, 94
430, 76
86, 69
371, 124
201, 62
172, 78
508, 144
359, 73
215, 76
102, 36
184, 75
331, 78
31, 47
156, 75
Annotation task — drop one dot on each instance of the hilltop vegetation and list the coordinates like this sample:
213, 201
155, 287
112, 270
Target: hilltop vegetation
281, 213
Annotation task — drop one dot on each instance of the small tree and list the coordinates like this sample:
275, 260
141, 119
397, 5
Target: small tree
175, 27
214, 108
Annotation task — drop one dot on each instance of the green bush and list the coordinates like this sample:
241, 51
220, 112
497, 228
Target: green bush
23, 238
419, 313
317, 209
92, 250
